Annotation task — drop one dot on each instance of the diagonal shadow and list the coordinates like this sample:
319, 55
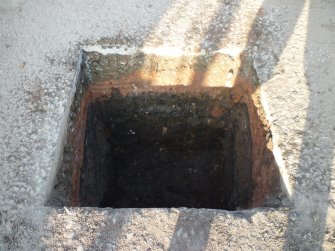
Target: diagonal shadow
307, 194
192, 230
311, 190
192, 233
308, 216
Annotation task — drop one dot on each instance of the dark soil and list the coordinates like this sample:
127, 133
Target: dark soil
166, 150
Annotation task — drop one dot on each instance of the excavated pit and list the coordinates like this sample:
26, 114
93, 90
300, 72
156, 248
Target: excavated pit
135, 141
165, 150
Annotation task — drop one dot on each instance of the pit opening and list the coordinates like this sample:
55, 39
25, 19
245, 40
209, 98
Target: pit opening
166, 150
136, 142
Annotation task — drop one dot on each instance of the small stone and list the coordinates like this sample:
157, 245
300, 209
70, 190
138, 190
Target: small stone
179, 232
164, 130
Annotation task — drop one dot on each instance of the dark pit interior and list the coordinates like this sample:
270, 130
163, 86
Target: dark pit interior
166, 150
149, 131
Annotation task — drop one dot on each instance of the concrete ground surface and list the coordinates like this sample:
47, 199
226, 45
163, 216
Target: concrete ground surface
293, 48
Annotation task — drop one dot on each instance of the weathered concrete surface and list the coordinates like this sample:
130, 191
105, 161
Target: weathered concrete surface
293, 46
150, 229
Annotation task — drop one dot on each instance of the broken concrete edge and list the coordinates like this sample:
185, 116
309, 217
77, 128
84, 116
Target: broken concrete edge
239, 214
231, 51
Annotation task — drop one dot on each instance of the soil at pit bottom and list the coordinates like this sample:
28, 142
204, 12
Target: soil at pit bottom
164, 150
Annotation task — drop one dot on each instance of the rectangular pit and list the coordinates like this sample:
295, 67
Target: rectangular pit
166, 150
138, 140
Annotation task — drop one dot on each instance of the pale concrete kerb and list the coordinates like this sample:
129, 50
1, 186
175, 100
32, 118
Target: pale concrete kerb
277, 151
58, 154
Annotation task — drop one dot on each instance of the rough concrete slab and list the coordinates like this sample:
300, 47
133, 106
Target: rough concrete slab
150, 229
293, 48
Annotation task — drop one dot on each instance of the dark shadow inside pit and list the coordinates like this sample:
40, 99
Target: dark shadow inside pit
166, 150
142, 136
